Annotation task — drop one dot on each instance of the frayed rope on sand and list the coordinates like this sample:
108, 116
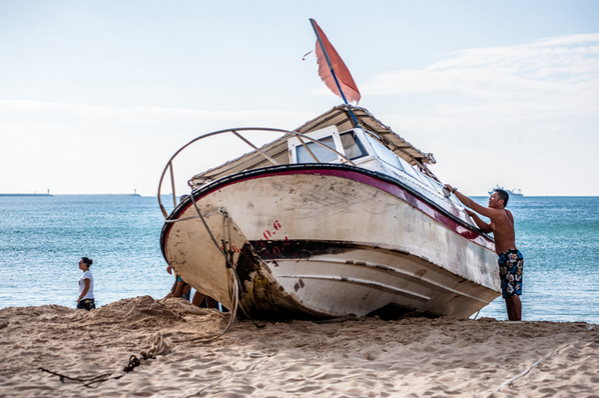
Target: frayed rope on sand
157, 347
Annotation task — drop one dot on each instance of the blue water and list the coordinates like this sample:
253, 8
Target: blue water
559, 238
43, 238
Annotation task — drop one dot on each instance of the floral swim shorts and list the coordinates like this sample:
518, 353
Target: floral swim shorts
511, 263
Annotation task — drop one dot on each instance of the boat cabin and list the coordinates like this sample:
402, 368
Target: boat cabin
360, 148
372, 145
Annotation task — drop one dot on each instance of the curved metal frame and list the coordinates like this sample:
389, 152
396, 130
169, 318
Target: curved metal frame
169, 164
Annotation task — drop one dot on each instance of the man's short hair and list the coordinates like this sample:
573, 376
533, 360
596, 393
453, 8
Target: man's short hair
503, 195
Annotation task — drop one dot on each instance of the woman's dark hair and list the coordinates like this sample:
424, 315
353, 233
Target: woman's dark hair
87, 261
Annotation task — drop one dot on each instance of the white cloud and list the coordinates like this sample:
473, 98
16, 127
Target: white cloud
551, 75
535, 106
540, 100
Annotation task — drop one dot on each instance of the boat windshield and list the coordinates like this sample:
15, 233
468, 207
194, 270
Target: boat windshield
322, 154
385, 154
352, 146
398, 163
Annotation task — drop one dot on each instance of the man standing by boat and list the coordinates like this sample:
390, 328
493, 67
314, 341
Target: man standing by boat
510, 260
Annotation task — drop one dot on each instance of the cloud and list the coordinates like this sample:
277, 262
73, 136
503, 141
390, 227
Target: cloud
540, 99
530, 105
559, 74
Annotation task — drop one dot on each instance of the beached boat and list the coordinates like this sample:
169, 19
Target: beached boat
338, 217
344, 220
511, 192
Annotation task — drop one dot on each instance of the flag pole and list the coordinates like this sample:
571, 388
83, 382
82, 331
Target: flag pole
330, 64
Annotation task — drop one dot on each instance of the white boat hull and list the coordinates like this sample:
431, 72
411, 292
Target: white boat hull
329, 242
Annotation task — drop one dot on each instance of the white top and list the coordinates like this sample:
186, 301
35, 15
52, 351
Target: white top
90, 293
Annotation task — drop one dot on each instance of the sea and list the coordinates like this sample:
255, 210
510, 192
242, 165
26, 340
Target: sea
42, 239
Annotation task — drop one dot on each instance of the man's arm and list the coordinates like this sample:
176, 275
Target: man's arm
480, 223
485, 211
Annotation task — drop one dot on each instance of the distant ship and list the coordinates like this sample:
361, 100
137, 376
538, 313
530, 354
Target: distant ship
511, 192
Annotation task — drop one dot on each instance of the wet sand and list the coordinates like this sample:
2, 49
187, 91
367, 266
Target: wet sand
364, 357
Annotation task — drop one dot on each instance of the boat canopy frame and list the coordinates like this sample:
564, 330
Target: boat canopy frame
260, 151
340, 117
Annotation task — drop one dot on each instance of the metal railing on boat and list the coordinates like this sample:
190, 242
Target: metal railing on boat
235, 131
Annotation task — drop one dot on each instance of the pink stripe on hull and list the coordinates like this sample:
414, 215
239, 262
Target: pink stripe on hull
383, 185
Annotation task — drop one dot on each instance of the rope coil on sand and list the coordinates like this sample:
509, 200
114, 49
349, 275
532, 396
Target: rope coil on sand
157, 347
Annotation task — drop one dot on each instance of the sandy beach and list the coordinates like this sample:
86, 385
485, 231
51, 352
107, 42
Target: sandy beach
365, 357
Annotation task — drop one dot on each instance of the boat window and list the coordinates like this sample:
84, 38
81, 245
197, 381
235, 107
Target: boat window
431, 182
322, 154
352, 146
385, 154
410, 170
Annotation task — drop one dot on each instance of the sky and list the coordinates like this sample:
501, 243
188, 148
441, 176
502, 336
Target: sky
96, 96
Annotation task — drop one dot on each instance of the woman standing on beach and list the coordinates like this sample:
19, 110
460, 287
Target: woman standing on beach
86, 285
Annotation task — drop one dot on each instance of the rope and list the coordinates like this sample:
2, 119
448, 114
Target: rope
235, 279
527, 370
180, 219
235, 297
133, 363
235, 293
232, 317
157, 347
227, 226
86, 381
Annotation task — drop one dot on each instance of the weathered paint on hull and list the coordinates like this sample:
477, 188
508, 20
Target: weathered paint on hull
331, 244
358, 279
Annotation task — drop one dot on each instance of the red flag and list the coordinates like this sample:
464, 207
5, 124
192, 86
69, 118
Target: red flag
330, 65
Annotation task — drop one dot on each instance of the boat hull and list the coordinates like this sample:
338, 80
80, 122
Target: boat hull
328, 242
